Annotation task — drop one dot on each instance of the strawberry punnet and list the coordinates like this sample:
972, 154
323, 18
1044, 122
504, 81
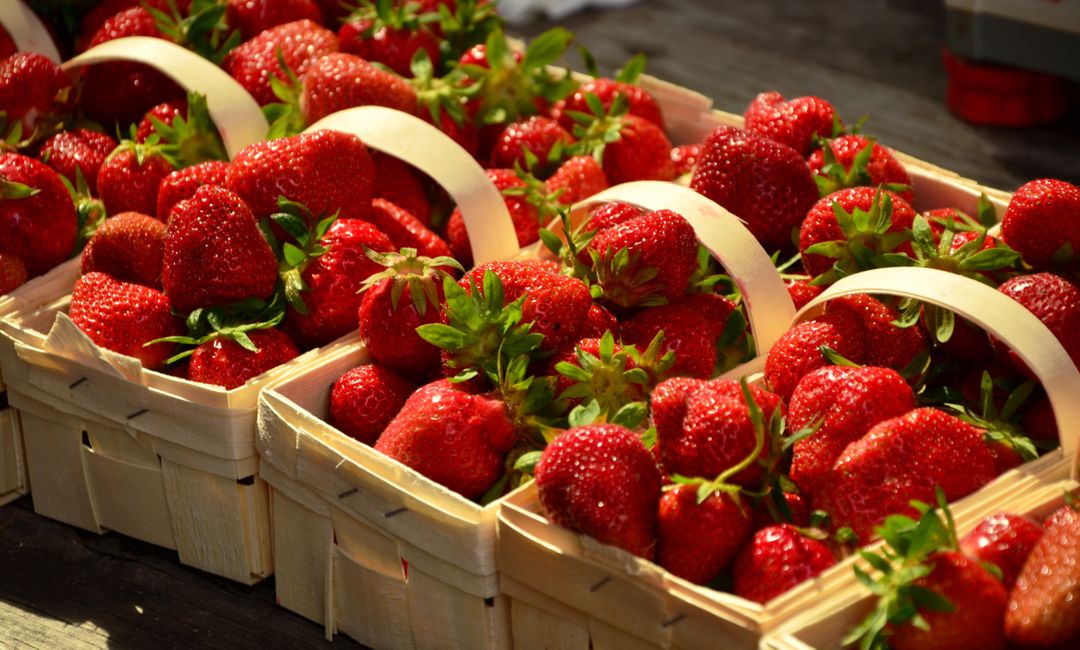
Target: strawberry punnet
365, 399
37, 216
793, 122
1042, 222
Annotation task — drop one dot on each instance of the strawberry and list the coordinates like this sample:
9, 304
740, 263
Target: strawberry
685, 157
37, 215
7, 44
600, 480
667, 405
226, 363
699, 539
129, 246
843, 403
801, 291
327, 171
455, 438
765, 183
578, 178
182, 183
901, 459
365, 399
93, 19
840, 228
1004, 540
215, 253
633, 149
388, 322
1055, 299
13, 273
399, 183
793, 122
252, 17
689, 333
130, 176
524, 215
405, 230
542, 137
717, 432
33, 91
123, 317
639, 102
165, 113
798, 351
610, 214
78, 149
255, 62
778, 558
1042, 222
600, 371
795, 510
645, 261
887, 345
598, 321
1043, 606
390, 34
843, 166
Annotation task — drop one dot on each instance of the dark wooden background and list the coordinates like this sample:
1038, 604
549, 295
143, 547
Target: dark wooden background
64, 588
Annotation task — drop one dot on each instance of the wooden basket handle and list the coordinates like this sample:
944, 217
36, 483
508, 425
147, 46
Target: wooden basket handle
996, 313
768, 304
27, 30
235, 112
404, 136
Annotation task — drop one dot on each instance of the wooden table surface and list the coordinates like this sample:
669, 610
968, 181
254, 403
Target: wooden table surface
64, 588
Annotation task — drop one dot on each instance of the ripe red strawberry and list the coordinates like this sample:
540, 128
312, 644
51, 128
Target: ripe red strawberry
1055, 299
717, 432
129, 179
1004, 540
765, 183
600, 480
255, 61
122, 317
607, 215
165, 113
182, 183
579, 178
122, 91
400, 184
525, 216
688, 330
215, 253
901, 459
327, 171
798, 351
848, 401
455, 438
33, 90
252, 17
391, 37
93, 19
365, 399
768, 512
884, 232
224, 362
661, 240
405, 230
598, 321
37, 215
7, 44
537, 135
793, 122
1043, 607
640, 102
13, 273
685, 157
667, 405
776, 559
881, 169
80, 149
1042, 218
129, 246
802, 292
338, 81
699, 540
642, 152
887, 345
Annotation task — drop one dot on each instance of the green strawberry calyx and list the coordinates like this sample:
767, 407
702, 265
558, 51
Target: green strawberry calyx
191, 139
294, 258
203, 30
232, 321
1001, 426
408, 271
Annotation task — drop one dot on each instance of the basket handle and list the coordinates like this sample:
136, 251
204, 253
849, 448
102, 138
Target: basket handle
996, 313
404, 136
768, 303
235, 112
27, 30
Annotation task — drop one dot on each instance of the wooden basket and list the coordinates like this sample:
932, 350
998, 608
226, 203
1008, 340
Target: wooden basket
569, 591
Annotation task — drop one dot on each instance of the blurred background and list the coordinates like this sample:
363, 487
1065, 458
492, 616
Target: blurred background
879, 58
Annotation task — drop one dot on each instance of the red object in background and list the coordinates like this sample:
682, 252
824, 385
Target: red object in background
999, 95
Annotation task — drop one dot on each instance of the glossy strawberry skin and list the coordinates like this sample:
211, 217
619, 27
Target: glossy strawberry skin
78, 148
1004, 540
798, 351
579, 178
1042, 216
29, 84
600, 480
365, 399
1044, 608
41, 228
901, 459
255, 16
13, 273
765, 183
125, 185
225, 363
887, 345
390, 334
455, 438
1055, 300
642, 153
392, 47
611, 214
215, 253
165, 113
802, 292
978, 599
792, 122
850, 401
537, 134
400, 184
882, 167
687, 332
640, 102
699, 540
667, 404
778, 558
327, 171
129, 246
338, 81
122, 317
182, 183
253, 62
685, 157
406, 231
